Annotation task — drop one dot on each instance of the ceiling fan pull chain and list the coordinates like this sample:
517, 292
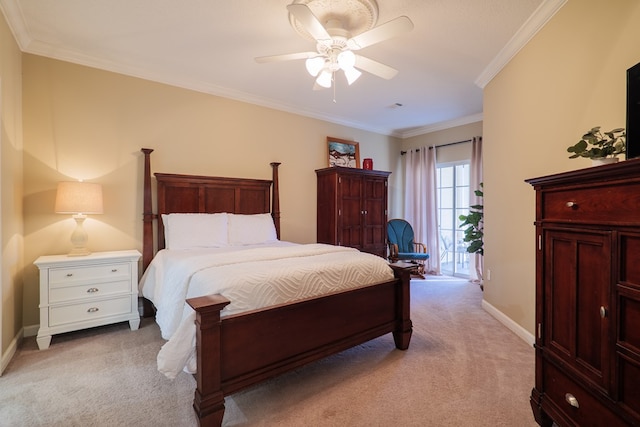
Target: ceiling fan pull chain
333, 83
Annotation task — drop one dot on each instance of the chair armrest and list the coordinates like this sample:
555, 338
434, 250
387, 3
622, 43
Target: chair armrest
420, 247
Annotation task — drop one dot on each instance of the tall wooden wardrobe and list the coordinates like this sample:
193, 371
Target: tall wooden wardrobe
588, 297
352, 208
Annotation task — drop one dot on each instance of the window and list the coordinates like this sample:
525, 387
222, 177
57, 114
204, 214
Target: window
453, 201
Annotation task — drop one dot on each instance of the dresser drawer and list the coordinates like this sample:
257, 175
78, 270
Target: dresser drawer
59, 277
59, 315
594, 204
69, 293
589, 412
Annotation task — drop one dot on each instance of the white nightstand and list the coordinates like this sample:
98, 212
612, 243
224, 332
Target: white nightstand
83, 292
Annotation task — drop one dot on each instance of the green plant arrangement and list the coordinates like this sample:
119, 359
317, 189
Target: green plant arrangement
474, 234
599, 145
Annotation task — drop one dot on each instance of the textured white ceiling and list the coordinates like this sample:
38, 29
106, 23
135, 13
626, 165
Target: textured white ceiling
455, 48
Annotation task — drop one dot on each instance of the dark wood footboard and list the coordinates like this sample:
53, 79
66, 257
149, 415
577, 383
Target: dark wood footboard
245, 349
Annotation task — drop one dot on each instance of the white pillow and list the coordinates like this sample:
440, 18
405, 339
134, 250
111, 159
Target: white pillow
251, 229
185, 231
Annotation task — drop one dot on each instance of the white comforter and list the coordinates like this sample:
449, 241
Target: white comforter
250, 277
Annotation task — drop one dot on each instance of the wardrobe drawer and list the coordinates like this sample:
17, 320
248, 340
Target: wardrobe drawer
59, 315
91, 290
593, 204
91, 273
585, 411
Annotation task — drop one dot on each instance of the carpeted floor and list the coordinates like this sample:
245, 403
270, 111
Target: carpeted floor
462, 369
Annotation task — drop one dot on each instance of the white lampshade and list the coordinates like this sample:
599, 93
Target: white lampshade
351, 74
314, 65
324, 79
346, 59
79, 198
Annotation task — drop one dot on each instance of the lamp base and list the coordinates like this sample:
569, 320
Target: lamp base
79, 238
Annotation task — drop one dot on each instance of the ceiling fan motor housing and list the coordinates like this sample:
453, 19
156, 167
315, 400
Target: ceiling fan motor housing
345, 18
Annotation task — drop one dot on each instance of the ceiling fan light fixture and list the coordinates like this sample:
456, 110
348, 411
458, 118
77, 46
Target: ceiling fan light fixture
314, 65
346, 59
324, 79
352, 75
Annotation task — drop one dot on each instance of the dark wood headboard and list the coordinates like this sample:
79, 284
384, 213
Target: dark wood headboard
204, 194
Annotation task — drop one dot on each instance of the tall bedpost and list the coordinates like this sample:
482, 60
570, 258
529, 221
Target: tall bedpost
147, 212
147, 227
275, 199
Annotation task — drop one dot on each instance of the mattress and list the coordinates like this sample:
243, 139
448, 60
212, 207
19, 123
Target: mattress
251, 277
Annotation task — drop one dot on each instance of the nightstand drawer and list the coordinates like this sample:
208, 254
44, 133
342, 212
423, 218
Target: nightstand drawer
88, 311
93, 273
69, 293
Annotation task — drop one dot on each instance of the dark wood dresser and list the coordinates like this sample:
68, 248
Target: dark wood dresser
588, 297
352, 208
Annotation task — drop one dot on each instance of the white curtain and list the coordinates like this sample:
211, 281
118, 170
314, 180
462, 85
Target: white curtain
475, 171
420, 204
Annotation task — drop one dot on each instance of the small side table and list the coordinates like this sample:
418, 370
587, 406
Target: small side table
87, 291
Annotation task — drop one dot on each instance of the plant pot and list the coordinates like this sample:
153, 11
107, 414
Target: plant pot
604, 161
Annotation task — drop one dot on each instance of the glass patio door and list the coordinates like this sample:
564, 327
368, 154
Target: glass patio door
453, 201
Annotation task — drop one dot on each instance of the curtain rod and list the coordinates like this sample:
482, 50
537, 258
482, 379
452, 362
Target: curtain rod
402, 153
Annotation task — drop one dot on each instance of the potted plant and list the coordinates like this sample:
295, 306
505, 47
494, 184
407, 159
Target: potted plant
600, 147
473, 234
474, 231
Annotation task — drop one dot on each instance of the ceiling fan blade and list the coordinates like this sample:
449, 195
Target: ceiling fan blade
309, 22
374, 67
391, 29
286, 57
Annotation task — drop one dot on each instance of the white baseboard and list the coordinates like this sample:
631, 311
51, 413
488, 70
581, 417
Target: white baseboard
31, 331
509, 323
11, 351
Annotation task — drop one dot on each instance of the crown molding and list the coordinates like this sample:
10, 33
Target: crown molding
530, 28
13, 15
41, 49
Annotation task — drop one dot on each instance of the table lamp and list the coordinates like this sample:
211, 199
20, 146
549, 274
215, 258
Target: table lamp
79, 198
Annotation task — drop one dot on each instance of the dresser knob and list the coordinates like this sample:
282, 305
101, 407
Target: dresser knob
93, 310
114, 270
603, 312
69, 274
572, 205
92, 290
571, 400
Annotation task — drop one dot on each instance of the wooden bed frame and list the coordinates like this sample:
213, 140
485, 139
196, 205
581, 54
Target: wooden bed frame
241, 350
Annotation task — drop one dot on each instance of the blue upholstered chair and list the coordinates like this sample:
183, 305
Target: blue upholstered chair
402, 246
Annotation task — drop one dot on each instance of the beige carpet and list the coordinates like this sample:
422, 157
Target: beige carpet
462, 369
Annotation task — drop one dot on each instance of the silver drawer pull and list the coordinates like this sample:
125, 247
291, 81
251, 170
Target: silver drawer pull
571, 400
93, 310
603, 312
92, 290
573, 205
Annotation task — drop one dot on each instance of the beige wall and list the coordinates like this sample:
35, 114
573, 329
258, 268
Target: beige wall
570, 77
82, 123
11, 223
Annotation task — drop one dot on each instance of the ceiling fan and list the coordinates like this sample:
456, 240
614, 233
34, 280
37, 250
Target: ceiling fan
348, 27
